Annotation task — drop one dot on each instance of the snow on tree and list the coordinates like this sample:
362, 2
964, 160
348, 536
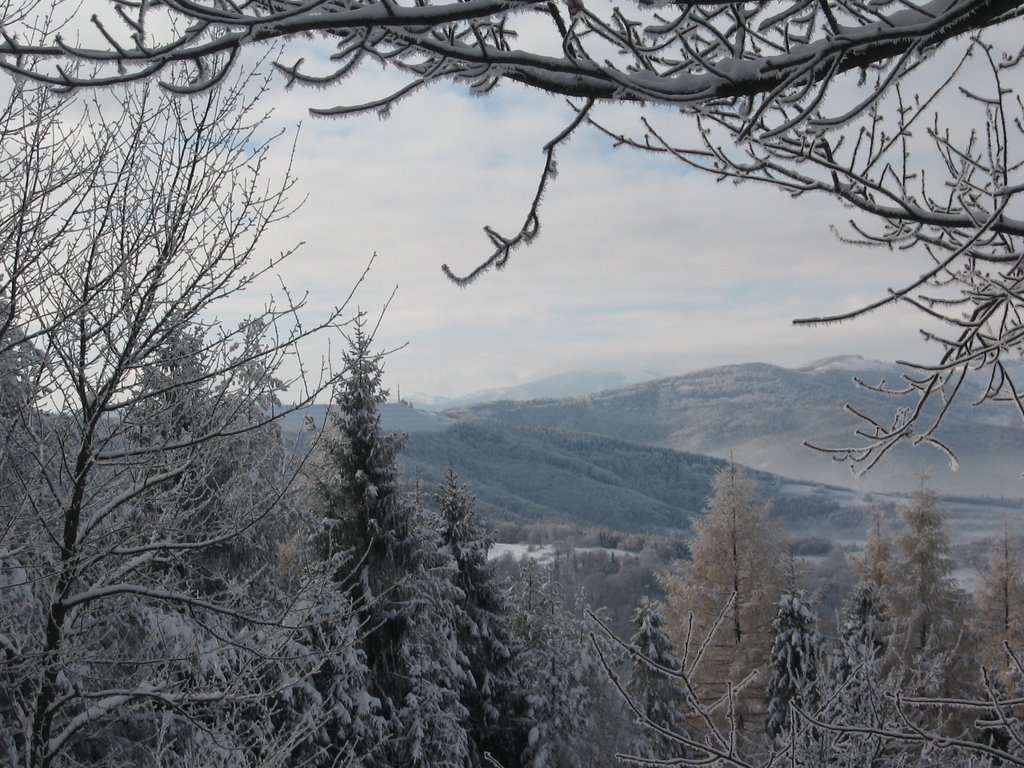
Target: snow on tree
736, 560
399, 571
656, 694
553, 669
366, 532
432, 721
482, 624
793, 664
859, 688
865, 625
141, 620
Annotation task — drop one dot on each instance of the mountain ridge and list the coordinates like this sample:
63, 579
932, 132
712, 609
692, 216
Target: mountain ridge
762, 414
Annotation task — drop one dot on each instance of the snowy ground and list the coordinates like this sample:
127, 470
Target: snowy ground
541, 553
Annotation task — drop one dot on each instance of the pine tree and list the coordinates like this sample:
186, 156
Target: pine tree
367, 536
482, 626
793, 664
736, 560
650, 687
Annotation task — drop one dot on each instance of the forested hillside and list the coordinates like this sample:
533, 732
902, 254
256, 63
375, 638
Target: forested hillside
537, 474
762, 414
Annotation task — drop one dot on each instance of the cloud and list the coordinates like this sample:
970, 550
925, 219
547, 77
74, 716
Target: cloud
639, 264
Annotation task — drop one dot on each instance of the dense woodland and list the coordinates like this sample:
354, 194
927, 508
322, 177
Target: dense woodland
179, 586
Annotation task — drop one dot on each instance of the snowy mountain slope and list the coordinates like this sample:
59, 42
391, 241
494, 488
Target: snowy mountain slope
571, 384
761, 414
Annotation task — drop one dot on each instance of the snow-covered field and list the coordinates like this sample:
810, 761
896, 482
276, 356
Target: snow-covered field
544, 553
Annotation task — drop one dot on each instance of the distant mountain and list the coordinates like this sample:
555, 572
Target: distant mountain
760, 415
394, 417
572, 384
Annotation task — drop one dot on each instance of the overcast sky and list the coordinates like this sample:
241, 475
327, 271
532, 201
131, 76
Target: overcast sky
640, 266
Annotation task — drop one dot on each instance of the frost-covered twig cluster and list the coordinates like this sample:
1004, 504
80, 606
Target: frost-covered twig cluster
143, 477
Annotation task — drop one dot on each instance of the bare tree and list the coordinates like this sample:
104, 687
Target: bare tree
142, 618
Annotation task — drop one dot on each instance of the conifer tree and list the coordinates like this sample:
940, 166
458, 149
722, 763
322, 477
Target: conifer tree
933, 636
999, 595
931, 606
482, 626
552, 668
651, 689
431, 722
366, 536
400, 574
736, 560
793, 663
878, 562
860, 684
864, 628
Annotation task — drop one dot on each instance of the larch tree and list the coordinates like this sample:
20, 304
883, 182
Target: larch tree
737, 566
932, 627
877, 564
999, 595
925, 595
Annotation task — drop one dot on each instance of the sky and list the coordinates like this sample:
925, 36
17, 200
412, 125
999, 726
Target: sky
641, 267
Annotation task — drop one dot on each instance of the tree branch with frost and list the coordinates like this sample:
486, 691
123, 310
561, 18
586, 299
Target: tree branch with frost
503, 246
760, 80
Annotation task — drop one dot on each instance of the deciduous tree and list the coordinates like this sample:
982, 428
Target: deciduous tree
736, 560
142, 620
999, 594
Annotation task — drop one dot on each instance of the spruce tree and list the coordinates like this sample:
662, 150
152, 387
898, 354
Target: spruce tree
651, 688
431, 724
482, 621
366, 534
553, 671
793, 663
